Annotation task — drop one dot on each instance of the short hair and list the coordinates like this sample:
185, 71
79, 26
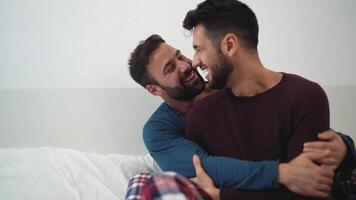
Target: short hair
220, 17
140, 59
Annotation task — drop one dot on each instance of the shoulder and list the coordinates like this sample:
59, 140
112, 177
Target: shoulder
301, 87
164, 124
164, 118
305, 95
164, 113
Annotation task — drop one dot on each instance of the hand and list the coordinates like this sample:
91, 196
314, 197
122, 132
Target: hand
203, 180
331, 144
304, 177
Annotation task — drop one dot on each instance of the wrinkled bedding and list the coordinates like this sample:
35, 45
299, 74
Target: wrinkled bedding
63, 174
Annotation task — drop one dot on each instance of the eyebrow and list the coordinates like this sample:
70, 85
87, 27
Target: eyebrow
170, 61
178, 52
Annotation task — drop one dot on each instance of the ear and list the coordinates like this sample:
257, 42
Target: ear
230, 44
154, 89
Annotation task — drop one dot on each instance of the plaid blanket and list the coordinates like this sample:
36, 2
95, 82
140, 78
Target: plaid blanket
170, 185
344, 187
163, 186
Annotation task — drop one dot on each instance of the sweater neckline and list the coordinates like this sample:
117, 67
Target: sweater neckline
262, 94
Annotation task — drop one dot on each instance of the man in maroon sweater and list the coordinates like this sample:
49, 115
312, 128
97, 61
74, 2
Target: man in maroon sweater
261, 114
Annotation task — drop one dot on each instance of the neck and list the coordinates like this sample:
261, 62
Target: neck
249, 77
184, 106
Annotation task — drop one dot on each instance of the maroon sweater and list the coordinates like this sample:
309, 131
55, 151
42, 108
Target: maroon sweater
272, 125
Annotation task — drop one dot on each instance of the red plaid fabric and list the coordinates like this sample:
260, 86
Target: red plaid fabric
163, 186
135, 188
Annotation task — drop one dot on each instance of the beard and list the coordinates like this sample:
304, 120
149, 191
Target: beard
220, 73
186, 92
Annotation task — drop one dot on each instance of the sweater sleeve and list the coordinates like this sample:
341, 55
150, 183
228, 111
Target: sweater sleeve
350, 158
310, 116
173, 152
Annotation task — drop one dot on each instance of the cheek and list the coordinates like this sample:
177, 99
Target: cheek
209, 59
209, 62
205, 59
175, 79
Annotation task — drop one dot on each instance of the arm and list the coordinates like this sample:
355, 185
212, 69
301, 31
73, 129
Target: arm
350, 158
309, 116
303, 163
340, 148
173, 152
349, 143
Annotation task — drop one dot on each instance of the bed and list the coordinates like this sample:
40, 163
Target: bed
54, 173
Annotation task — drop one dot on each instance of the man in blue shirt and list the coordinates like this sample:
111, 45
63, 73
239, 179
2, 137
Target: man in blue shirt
165, 72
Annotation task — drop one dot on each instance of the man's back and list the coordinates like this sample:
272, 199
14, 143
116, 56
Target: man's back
269, 126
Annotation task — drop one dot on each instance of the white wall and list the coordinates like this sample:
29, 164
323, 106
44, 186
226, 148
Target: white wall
53, 53
99, 120
80, 43
86, 44
313, 38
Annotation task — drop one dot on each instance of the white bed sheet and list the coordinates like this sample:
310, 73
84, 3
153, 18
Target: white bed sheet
63, 174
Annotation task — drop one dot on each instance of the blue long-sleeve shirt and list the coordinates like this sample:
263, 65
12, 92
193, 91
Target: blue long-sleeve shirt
163, 137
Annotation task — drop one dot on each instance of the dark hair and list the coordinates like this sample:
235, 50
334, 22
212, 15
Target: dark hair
220, 17
139, 60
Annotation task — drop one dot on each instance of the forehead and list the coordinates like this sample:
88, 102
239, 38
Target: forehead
162, 53
199, 37
160, 57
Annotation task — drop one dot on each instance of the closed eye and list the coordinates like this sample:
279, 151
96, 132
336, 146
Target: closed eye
181, 57
169, 69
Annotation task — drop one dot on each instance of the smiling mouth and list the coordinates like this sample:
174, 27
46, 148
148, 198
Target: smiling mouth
205, 71
190, 78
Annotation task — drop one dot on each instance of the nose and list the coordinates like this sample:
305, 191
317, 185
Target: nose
196, 61
184, 66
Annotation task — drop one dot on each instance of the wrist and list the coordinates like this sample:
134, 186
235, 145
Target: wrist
216, 194
282, 173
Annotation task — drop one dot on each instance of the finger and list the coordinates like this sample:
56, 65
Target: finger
317, 145
322, 179
324, 188
328, 156
328, 146
326, 172
323, 158
197, 165
308, 149
321, 152
327, 135
195, 180
325, 182
314, 156
330, 167
319, 194
328, 161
